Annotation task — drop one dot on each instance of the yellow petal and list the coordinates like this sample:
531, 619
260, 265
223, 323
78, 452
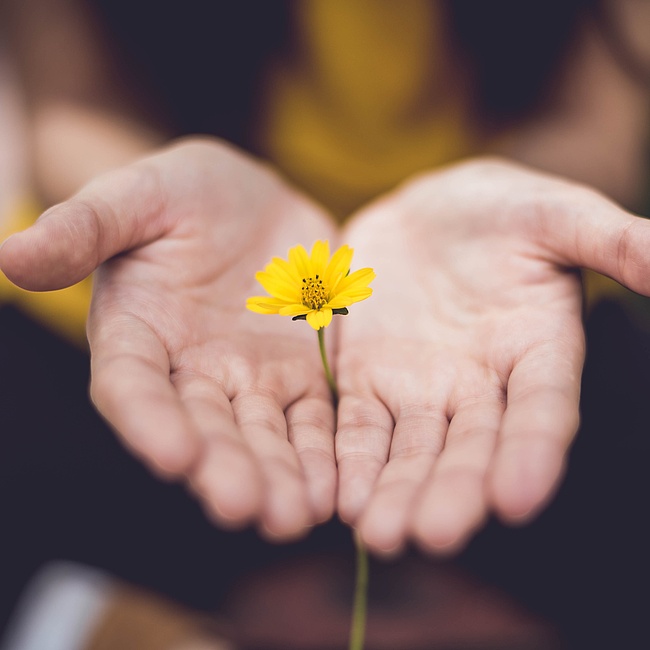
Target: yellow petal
264, 305
347, 298
285, 271
294, 310
357, 280
338, 267
277, 287
320, 254
299, 259
320, 318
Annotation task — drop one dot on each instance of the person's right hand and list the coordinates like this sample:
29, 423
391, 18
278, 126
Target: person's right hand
196, 385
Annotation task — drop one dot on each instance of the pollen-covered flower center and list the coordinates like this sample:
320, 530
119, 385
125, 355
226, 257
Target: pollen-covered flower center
314, 293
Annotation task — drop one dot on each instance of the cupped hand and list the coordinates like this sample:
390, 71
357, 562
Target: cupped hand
200, 388
460, 377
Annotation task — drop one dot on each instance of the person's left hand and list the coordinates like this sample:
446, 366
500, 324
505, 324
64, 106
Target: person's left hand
460, 378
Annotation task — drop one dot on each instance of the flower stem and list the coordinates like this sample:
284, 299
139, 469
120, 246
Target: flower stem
358, 629
331, 382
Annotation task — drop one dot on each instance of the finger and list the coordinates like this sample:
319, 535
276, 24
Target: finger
538, 426
131, 388
116, 212
363, 437
286, 512
226, 477
452, 504
592, 232
310, 423
417, 440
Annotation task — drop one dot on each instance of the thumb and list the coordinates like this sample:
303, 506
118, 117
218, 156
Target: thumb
595, 233
118, 211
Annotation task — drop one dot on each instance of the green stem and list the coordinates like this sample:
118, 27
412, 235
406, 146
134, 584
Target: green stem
358, 627
358, 630
331, 382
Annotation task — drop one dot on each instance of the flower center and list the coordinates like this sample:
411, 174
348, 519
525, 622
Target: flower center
314, 294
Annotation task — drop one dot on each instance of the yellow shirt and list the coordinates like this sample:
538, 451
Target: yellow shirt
365, 101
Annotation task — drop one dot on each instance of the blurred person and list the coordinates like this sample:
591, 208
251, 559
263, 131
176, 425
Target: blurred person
460, 395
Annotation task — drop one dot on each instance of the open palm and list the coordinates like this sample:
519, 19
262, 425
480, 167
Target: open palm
460, 378
194, 383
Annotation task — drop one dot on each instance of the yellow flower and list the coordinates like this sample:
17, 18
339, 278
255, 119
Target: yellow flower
311, 287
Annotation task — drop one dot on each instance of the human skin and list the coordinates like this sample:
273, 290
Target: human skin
197, 386
459, 379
